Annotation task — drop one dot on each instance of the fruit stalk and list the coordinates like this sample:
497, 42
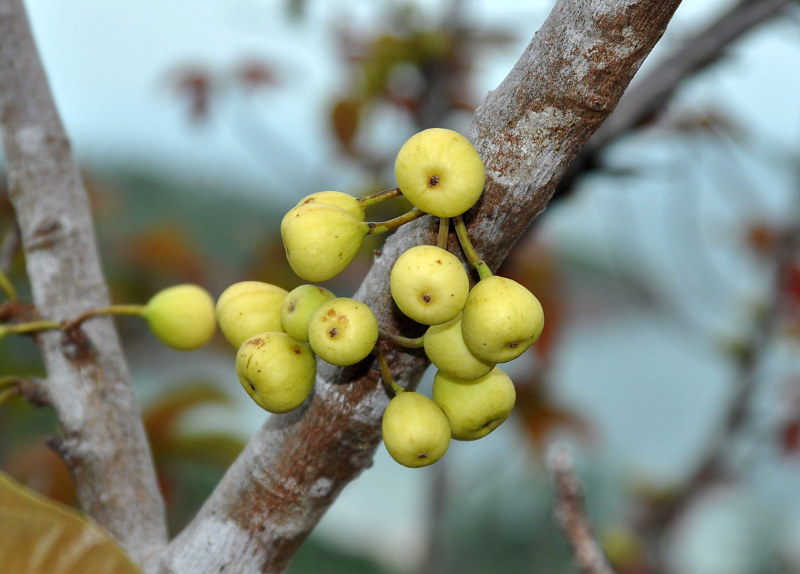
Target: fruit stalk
375, 198
384, 226
29, 327
7, 286
400, 341
386, 375
110, 310
444, 232
472, 255
9, 393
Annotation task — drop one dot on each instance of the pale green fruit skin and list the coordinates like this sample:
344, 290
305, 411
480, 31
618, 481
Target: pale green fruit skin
501, 319
337, 198
444, 346
429, 284
298, 306
247, 308
276, 371
446, 155
321, 239
343, 331
415, 430
182, 316
474, 408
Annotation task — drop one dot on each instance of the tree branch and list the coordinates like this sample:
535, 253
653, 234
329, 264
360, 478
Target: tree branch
650, 93
570, 511
103, 443
711, 466
528, 131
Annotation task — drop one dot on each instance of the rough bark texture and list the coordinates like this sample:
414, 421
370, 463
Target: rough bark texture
650, 93
103, 442
528, 131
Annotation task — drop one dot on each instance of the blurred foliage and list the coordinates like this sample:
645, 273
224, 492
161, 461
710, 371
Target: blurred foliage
38, 535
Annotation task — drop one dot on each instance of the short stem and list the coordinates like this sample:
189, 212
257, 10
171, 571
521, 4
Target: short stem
8, 381
7, 286
472, 255
30, 327
444, 232
9, 393
110, 310
375, 198
386, 375
400, 341
385, 226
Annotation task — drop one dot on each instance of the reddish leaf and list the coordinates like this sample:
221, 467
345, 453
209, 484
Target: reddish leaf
256, 74
345, 117
789, 437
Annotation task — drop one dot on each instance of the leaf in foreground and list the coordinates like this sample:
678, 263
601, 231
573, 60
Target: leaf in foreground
40, 536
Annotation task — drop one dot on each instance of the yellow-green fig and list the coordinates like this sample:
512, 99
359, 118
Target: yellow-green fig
247, 308
343, 331
298, 306
276, 371
440, 172
474, 408
181, 316
444, 346
321, 239
415, 430
337, 198
429, 284
501, 319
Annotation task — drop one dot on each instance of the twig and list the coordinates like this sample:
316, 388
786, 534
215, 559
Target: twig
711, 464
570, 511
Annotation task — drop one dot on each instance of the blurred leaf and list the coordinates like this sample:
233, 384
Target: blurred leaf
39, 467
216, 450
345, 117
39, 536
195, 86
540, 417
256, 74
160, 418
762, 238
169, 249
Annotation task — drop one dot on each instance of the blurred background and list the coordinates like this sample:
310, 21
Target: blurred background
668, 267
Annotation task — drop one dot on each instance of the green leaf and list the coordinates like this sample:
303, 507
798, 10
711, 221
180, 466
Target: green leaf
41, 536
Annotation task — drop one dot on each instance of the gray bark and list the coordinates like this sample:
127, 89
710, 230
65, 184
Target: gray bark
103, 440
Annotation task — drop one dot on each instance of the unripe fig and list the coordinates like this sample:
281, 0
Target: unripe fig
298, 306
337, 198
247, 308
474, 408
444, 346
321, 239
276, 371
415, 430
429, 284
440, 172
181, 316
501, 319
343, 331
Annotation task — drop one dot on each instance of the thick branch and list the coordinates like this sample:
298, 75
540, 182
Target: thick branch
103, 443
650, 93
528, 131
570, 511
